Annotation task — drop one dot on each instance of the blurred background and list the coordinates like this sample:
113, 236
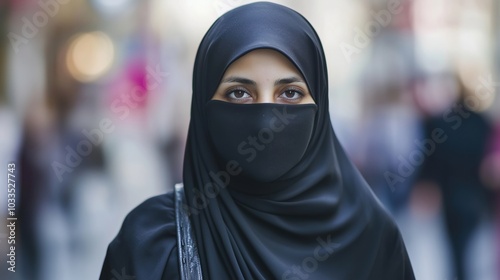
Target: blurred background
94, 109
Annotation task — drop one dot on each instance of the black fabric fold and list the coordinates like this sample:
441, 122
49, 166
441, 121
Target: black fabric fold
146, 246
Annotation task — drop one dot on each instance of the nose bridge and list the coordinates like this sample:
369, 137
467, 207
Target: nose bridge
265, 92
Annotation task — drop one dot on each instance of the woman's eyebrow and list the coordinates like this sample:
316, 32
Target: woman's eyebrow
288, 80
241, 80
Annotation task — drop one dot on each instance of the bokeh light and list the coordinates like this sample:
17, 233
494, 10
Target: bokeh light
89, 56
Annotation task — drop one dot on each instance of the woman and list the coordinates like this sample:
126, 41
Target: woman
270, 193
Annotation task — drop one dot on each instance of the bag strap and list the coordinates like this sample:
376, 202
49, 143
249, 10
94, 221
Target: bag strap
189, 261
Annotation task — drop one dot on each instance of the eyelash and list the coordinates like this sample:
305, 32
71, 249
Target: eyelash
294, 89
229, 91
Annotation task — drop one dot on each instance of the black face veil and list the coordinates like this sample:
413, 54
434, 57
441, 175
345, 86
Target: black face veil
313, 218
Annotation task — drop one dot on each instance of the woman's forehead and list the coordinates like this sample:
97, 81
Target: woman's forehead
265, 61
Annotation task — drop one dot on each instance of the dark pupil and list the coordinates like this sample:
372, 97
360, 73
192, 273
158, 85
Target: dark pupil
290, 93
239, 94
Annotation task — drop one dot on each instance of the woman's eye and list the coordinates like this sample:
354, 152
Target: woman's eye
291, 94
238, 94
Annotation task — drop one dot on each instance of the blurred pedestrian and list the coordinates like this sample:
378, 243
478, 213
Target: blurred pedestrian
454, 167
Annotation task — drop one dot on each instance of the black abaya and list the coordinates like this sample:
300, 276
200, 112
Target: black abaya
297, 210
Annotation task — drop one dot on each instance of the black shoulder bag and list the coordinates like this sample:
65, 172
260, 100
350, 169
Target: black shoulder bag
189, 261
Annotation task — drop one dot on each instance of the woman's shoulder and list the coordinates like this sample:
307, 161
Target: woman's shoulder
147, 241
148, 218
156, 209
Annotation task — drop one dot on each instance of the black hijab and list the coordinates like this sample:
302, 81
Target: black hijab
310, 215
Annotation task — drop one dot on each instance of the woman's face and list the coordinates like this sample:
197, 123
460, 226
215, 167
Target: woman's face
263, 76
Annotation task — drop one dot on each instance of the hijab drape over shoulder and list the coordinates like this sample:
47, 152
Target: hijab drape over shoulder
297, 208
